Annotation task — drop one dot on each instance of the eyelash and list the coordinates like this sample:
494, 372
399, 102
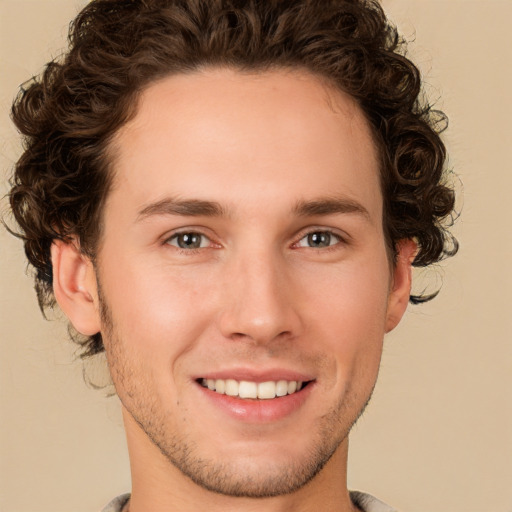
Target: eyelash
340, 240
182, 250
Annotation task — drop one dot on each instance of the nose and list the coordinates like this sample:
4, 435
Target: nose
259, 300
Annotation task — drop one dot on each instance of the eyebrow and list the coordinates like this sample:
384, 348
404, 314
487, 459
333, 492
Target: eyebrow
329, 206
187, 208
202, 208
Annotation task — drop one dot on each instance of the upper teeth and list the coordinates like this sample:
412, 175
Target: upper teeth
247, 389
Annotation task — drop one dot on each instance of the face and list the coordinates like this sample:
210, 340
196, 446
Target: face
243, 275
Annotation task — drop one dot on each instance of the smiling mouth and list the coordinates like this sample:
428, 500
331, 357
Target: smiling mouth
255, 390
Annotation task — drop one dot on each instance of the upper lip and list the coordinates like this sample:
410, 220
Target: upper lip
257, 375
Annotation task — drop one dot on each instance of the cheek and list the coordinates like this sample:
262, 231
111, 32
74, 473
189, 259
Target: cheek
348, 310
166, 309
352, 296
158, 312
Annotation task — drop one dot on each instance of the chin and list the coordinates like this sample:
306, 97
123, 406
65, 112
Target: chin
251, 478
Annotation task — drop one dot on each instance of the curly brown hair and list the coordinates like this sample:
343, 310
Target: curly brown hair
69, 115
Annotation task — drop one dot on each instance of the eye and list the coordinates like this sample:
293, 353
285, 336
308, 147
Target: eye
189, 240
319, 239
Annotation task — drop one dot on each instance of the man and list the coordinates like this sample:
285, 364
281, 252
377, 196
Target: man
227, 197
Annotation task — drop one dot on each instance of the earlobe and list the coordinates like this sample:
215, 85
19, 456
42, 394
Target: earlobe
401, 285
74, 286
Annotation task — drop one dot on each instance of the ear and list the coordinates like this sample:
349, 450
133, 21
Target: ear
401, 283
75, 288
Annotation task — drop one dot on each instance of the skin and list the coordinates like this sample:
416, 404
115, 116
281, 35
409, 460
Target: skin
256, 295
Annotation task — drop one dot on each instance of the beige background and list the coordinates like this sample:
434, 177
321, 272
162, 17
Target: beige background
438, 435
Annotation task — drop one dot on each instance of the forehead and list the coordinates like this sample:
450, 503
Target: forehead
277, 137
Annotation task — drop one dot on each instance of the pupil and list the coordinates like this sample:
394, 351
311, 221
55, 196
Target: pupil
189, 241
319, 239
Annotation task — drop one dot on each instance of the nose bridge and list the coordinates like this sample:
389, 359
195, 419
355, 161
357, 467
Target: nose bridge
258, 301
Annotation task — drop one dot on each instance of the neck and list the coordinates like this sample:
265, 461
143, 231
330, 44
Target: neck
158, 485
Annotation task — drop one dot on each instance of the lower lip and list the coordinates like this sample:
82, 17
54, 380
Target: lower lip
259, 411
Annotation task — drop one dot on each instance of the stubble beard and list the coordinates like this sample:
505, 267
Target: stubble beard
235, 479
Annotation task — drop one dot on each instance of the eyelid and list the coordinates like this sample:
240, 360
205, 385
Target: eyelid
175, 236
193, 230
343, 237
